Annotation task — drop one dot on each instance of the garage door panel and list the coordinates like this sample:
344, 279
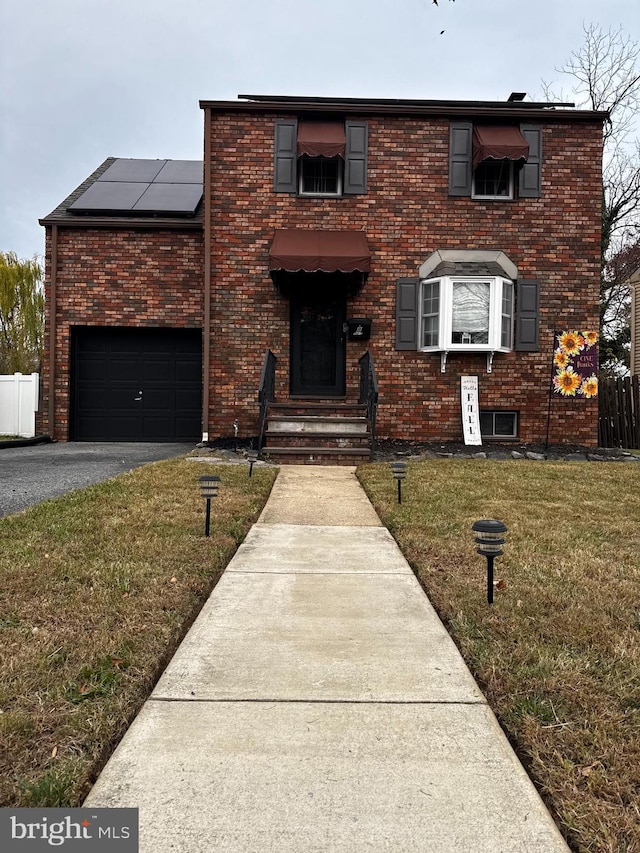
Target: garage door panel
159, 398
158, 371
92, 428
91, 398
155, 427
123, 369
111, 366
187, 399
188, 370
92, 369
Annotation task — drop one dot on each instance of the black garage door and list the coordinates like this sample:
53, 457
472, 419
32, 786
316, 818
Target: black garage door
136, 384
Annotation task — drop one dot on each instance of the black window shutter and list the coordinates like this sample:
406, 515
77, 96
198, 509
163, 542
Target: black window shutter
407, 313
286, 155
460, 154
355, 161
528, 315
530, 178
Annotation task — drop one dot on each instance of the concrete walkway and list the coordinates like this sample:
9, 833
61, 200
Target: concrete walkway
318, 704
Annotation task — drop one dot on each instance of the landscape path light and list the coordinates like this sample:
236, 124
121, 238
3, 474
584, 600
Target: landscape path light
399, 470
490, 536
208, 489
252, 456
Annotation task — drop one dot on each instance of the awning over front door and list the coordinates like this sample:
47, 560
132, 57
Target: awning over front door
319, 251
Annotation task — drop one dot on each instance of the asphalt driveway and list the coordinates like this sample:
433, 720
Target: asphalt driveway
29, 475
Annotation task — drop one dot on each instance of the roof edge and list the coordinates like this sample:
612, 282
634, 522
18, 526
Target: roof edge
372, 106
114, 222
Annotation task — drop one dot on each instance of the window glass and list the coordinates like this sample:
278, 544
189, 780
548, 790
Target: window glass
505, 423
486, 423
430, 313
320, 175
499, 424
470, 312
493, 178
506, 329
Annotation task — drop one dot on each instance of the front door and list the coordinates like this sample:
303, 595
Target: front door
318, 343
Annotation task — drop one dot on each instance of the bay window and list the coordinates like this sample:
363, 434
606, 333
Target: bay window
467, 314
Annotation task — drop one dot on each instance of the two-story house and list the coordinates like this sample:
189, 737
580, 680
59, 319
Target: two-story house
445, 238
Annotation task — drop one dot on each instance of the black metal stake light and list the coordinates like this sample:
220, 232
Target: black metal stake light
399, 470
490, 537
208, 489
252, 456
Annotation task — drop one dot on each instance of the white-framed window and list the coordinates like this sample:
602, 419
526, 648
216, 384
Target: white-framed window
493, 179
320, 176
495, 424
473, 314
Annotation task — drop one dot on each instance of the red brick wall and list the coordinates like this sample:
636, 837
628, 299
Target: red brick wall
118, 278
407, 214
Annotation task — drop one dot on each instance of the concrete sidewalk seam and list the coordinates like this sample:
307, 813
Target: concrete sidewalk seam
204, 700
360, 574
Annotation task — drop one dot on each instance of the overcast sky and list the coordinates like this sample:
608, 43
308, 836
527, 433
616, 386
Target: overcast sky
82, 80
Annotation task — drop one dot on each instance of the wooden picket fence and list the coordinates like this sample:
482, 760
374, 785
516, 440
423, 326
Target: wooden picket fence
619, 412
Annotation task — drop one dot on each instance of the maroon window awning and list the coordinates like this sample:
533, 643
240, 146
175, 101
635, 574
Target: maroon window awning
321, 138
498, 143
319, 251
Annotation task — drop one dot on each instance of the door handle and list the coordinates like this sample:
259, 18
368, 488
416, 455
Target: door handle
137, 399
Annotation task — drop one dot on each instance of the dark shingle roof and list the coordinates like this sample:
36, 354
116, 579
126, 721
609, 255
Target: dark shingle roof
470, 268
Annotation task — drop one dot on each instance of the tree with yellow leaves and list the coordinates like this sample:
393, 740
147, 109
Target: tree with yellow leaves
21, 314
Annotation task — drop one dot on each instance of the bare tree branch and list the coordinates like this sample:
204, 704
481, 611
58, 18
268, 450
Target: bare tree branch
604, 75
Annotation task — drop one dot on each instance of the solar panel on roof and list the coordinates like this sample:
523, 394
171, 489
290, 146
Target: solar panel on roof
180, 172
138, 171
109, 196
169, 198
139, 187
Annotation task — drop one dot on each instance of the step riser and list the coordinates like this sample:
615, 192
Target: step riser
316, 427
303, 458
302, 410
316, 440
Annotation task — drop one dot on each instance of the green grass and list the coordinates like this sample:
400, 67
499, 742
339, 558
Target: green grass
558, 654
96, 590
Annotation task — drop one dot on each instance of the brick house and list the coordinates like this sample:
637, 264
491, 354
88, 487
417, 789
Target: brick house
447, 239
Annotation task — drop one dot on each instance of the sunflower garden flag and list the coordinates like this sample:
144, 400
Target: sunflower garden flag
575, 364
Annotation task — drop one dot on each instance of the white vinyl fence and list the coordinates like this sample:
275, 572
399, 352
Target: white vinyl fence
18, 404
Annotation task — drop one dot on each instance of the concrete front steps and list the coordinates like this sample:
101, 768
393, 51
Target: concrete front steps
320, 433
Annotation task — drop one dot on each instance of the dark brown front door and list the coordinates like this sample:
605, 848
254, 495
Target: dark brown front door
318, 343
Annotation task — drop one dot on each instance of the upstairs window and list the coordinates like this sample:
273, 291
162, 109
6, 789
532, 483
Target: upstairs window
320, 175
493, 179
498, 162
320, 158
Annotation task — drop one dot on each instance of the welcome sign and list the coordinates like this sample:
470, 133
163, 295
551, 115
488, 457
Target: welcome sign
575, 363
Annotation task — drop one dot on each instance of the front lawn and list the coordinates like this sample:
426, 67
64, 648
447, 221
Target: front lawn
558, 654
96, 590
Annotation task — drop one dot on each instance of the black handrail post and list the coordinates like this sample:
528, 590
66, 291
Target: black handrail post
266, 392
369, 393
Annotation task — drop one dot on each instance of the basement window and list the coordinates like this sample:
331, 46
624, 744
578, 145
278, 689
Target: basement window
497, 424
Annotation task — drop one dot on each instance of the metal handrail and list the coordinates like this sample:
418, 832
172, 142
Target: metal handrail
369, 393
266, 391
